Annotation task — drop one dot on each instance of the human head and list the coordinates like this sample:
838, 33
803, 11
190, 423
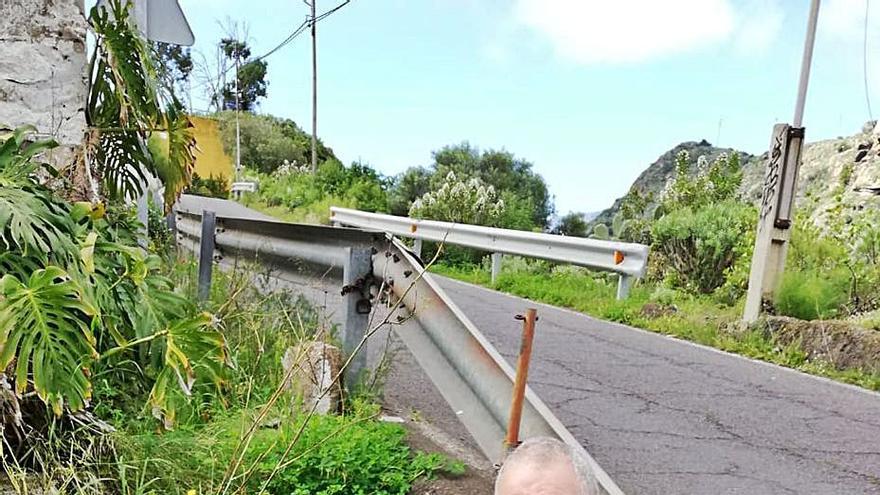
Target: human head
544, 466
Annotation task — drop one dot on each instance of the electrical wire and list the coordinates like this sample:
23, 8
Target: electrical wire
292, 36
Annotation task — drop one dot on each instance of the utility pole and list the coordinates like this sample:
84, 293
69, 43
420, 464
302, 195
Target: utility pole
237, 124
780, 184
311, 4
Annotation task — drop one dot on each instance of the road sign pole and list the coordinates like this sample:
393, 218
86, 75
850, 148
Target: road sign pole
780, 185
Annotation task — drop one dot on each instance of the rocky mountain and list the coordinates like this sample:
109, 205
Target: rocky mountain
655, 177
852, 161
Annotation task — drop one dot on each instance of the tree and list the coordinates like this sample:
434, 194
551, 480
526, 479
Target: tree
252, 84
174, 66
507, 174
268, 142
573, 224
408, 187
500, 169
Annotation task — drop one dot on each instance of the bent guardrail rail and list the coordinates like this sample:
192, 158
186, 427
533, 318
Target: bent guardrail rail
626, 259
469, 372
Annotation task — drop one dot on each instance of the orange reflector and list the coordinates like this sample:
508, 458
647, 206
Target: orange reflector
413, 227
618, 257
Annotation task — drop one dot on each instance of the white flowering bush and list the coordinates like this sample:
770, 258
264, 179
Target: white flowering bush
288, 168
712, 183
462, 201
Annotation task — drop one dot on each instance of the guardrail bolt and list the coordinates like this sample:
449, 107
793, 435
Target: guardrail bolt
407, 273
395, 257
363, 307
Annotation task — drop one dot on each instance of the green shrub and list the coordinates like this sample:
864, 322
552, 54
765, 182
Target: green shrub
712, 184
572, 224
460, 200
212, 187
347, 455
664, 295
699, 247
294, 189
811, 295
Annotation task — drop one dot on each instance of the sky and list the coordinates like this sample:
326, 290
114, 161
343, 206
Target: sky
590, 91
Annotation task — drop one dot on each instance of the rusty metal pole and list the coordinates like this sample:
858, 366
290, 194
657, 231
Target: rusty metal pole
522, 374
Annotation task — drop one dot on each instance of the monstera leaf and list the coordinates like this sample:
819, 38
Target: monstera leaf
194, 349
173, 153
44, 327
128, 106
32, 221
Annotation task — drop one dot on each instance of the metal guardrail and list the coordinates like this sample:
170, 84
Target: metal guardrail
468, 371
627, 259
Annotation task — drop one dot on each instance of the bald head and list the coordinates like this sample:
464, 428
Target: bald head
543, 466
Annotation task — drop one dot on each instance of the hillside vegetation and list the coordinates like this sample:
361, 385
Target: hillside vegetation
825, 164
274, 153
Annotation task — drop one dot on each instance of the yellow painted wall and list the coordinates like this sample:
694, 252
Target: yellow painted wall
211, 160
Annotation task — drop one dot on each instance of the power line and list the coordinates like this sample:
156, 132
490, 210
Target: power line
334, 9
292, 36
299, 30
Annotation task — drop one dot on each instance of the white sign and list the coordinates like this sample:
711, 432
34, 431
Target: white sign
161, 20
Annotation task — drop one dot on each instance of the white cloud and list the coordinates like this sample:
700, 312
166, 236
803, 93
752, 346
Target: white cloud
622, 31
759, 24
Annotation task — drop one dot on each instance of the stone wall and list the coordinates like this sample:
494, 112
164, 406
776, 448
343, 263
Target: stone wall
43, 69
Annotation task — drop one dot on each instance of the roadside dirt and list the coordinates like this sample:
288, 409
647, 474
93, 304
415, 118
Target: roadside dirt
478, 478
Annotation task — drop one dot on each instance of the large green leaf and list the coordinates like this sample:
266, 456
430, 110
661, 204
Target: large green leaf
34, 224
173, 153
194, 349
17, 153
45, 328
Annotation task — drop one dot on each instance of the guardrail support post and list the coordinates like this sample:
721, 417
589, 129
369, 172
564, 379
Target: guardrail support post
496, 266
417, 247
358, 267
624, 282
171, 222
206, 254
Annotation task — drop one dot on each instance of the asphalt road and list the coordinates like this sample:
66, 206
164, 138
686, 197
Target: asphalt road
664, 416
